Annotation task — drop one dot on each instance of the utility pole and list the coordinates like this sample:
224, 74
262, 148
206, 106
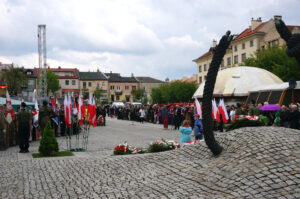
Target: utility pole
42, 84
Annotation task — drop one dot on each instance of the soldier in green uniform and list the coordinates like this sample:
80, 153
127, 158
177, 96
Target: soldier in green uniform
23, 125
2, 129
45, 114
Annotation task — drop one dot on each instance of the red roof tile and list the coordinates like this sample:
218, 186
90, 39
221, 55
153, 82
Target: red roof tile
248, 31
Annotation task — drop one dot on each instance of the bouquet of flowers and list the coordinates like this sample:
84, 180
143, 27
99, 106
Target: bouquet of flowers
138, 150
162, 145
122, 149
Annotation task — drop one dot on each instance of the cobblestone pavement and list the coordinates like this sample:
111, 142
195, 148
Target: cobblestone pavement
259, 162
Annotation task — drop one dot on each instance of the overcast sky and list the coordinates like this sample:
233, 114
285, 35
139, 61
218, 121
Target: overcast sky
157, 38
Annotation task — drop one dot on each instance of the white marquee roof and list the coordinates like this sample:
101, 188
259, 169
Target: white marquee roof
238, 81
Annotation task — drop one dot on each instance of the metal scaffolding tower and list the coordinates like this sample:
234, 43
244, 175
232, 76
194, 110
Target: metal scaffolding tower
42, 84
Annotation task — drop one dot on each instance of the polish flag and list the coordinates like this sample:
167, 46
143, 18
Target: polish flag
67, 110
36, 112
215, 111
9, 113
223, 111
198, 107
81, 111
93, 119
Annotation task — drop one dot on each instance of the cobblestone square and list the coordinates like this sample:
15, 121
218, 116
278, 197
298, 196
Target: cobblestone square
256, 163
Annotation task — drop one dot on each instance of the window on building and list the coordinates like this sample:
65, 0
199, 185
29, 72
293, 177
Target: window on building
235, 48
31, 82
262, 47
126, 87
118, 88
236, 59
112, 87
205, 77
98, 85
251, 43
84, 84
273, 43
243, 46
133, 88
200, 80
103, 83
90, 84
243, 57
200, 68
222, 63
204, 67
228, 61
117, 97
29, 73
67, 82
73, 82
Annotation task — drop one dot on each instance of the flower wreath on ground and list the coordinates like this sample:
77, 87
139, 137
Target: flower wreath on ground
157, 146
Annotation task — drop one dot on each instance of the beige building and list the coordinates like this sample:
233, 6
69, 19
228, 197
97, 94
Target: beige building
258, 36
147, 83
92, 81
121, 88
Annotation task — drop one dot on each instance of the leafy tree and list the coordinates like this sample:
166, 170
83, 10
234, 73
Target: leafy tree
275, 60
175, 92
52, 82
138, 94
15, 79
97, 94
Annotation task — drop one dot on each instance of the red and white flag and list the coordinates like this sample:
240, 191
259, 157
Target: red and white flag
9, 112
223, 111
67, 109
215, 111
93, 115
198, 107
81, 111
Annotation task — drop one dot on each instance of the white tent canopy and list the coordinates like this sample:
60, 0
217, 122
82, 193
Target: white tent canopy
238, 81
14, 102
274, 87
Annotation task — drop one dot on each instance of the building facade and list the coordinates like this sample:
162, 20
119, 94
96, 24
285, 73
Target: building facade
147, 83
27, 93
121, 88
92, 81
258, 36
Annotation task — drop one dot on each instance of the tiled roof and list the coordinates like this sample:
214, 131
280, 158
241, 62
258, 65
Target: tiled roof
291, 28
205, 54
73, 70
148, 80
248, 31
92, 76
116, 77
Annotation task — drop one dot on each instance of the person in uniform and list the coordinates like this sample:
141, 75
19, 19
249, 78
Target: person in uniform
3, 144
23, 126
45, 114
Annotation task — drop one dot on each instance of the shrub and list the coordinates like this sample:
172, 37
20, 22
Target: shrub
264, 119
243, 122
48, 143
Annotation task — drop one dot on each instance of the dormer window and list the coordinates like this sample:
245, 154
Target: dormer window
29, 73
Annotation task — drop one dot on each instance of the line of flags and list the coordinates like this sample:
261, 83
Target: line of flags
216, 110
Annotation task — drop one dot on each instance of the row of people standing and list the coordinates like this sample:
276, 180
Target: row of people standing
173, 115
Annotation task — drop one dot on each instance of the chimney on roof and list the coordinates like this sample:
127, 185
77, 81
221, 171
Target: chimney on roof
255, 23
98, 70
110, 71
48, 67
59, 67
214, 43
132, 75
277, 17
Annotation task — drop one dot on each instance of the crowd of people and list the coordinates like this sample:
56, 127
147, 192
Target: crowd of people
183, 117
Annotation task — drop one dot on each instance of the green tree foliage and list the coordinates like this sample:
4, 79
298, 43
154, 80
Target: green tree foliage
138, 94
276, 61
15, 79
52, 82
174, 92
48, 143
97, 94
